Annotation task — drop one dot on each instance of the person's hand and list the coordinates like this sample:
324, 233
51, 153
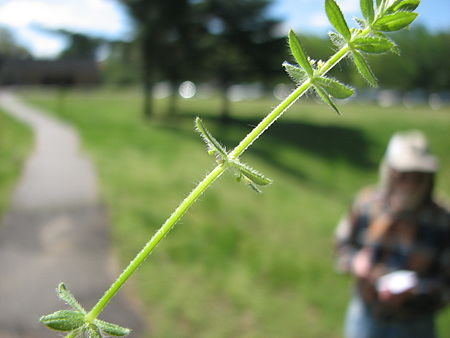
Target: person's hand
395, 299
361, 264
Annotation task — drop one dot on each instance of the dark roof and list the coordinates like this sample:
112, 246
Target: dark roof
51, 72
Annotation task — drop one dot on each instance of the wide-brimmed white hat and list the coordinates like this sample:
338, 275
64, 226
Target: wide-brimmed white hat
409, 151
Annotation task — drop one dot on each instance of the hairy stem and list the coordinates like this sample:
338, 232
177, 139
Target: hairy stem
157, 237
210, 178
72, 334
269, 119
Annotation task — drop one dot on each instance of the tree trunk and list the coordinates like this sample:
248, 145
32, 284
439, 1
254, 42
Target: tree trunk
148, 100
173, 99
147, 86
148, 92
225, 110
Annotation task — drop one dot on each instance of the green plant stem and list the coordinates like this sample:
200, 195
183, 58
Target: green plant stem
72, 334
157, 237
269, 119
209, 179
285, 104
339, 55
334, 60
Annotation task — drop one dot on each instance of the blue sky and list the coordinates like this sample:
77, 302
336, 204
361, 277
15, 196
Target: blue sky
309, 15
107, 18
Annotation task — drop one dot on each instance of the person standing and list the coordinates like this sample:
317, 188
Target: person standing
395, 241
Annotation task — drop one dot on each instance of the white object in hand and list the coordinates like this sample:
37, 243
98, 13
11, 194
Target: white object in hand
397, 282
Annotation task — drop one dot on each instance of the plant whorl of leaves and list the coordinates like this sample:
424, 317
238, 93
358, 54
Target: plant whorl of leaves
379, 17
74, 321
245, 173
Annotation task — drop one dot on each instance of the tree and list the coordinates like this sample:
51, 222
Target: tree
159, 33
9, 48
425, 61
121, 67
184, 50
242, 43
80, 46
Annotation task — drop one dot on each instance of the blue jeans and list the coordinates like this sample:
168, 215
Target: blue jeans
361, 324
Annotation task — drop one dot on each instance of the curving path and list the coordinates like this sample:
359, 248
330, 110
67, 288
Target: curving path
56, 230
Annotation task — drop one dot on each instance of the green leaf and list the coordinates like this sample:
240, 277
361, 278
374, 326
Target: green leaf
394, 48
394, 22
67, 296
371, 44
296, 73
112, 329
299, 54
335, 88
364, 68
361, 23
367, 10
325, 97
406, 5
76, 333
252, 185
255, 176
212, 144
64, 320
402, 5
337, 19
337, 39
93, 332
250, 176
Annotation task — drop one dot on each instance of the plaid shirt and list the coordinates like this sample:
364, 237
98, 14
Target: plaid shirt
418, 241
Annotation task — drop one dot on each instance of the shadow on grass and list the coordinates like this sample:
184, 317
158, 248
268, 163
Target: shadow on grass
331, 143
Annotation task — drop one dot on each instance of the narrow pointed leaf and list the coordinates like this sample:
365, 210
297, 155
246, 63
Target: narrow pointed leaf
326, 97
298, 53
112, 329
64, 320
385, 4
394, 22
363, 68
337, 19
297, 74
250, 173
67, 296
211, 142
361, 23
337, 39
403, 5
94, 332
367, 10
75, 333
253, 186
394, 49
335, 88
407, 5
372, 44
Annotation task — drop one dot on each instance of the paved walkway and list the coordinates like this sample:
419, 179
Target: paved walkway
56, 230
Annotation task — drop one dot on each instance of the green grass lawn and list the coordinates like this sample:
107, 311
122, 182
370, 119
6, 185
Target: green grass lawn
240, 264
15, 144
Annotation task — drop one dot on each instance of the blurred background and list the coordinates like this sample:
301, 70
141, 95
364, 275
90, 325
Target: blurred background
131, 75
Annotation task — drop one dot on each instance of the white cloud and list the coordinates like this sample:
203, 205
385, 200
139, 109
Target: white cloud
319, 20
42, 45
97, 17
349, 6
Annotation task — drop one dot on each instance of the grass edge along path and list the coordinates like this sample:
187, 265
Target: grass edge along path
15, 146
